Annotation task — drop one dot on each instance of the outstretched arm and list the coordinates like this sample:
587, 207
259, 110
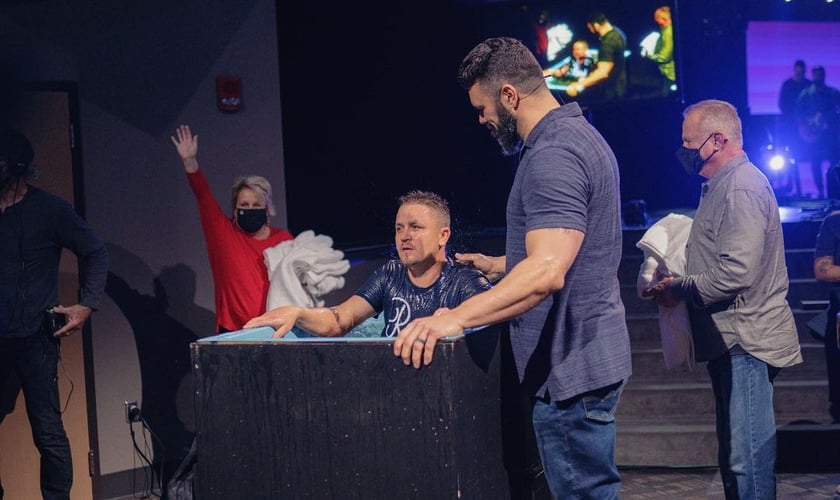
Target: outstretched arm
187, 146
601, 72
320, 321
550, 254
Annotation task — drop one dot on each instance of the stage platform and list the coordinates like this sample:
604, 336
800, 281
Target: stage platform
685, 427
790, 211
800, 222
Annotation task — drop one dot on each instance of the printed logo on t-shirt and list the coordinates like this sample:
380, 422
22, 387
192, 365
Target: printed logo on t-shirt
402, 316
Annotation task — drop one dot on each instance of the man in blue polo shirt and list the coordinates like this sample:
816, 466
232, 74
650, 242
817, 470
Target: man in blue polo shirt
560, 286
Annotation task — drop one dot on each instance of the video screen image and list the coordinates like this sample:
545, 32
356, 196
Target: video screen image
597, 53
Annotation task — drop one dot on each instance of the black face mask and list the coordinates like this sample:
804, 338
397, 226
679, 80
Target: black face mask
251, 220
691, 160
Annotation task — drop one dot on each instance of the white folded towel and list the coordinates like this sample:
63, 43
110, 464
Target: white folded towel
302, 270
663, 245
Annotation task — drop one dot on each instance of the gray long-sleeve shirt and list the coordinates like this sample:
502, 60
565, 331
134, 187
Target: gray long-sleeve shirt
736, 279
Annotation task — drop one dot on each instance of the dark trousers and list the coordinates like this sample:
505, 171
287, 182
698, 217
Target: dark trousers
832, 358
825, 148
33, 363
832, 355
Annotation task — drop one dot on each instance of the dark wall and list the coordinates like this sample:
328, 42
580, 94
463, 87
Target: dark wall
371, 109
711, 46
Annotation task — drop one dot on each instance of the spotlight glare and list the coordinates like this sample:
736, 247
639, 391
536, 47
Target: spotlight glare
777, 162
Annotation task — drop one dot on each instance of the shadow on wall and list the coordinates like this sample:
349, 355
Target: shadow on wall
163, 324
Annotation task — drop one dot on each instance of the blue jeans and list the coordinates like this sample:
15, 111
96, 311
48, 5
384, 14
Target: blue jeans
34, 360
746, 425
576, 439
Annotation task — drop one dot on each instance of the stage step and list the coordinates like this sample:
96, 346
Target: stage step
649, 366
802, 446
672, 443
644, 328
662, 402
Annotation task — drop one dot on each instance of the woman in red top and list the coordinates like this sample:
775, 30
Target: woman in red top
234, 245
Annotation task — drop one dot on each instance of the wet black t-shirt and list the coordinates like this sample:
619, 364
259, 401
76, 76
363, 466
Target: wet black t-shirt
390, 290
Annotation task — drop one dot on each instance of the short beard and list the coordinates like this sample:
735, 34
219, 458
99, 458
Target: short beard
506, 134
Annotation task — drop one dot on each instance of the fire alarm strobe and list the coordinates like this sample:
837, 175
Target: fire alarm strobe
228, 93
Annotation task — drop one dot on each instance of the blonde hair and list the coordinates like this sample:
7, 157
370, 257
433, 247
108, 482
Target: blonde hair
715, 116
432, 200
257, 184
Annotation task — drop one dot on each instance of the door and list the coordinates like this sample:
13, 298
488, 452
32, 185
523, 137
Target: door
49, 121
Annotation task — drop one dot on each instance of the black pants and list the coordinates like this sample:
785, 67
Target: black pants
832, 356
33, 363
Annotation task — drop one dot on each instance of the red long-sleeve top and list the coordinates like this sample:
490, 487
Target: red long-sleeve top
240, 277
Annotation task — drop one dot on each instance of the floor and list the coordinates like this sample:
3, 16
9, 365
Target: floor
704, 484
697, 484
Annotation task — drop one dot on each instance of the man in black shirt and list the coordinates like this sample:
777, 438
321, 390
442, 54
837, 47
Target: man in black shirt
609, 78
34, 228
788, 134
827, 269
818, 111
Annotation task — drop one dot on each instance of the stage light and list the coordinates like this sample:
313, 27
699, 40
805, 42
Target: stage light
776, 159
777, 162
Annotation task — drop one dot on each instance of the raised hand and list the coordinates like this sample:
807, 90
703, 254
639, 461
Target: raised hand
187, 146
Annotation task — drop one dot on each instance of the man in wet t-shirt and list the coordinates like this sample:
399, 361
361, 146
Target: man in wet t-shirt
417, 284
